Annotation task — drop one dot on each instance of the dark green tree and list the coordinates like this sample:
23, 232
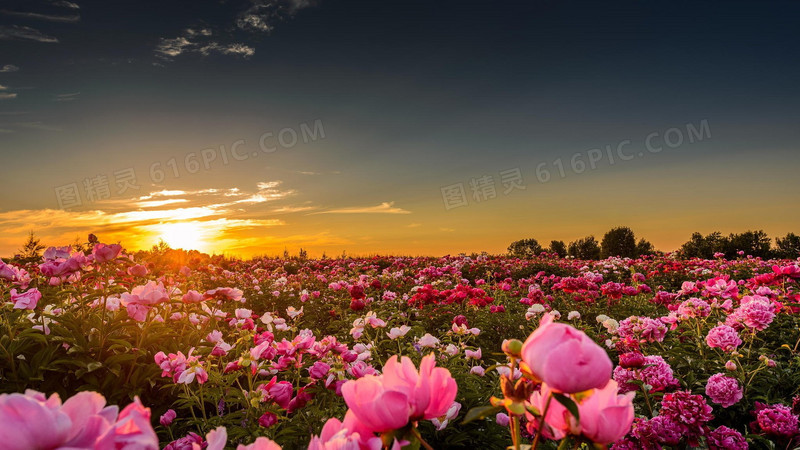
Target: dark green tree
32, 248
755, 243
525, 248
788, 247
586, 248
559, 248
620, 242
644, 248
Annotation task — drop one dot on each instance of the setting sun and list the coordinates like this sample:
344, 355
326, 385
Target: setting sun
185, 235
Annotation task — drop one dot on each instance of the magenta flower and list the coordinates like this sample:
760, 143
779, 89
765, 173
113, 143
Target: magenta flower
724, 438
724, 338
723, 390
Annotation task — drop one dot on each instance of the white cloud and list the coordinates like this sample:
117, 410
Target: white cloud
8, 68
67, 97
73, 18
16, 32
7, 95
383, 208
66, 4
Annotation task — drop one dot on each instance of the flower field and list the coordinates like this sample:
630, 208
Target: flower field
104, 349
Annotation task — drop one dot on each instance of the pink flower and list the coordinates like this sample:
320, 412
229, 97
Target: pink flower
724, 338
776, 420
6, 272
149, 294
556, 420
606, 416
268, 419
319, 370
656, 373
565, 358
724, 438
26, 300
137, 312
470, 354
167, 418
32, 421
192, 296
133, 429
218, 437
452, 412
104, 253
723, 390
346, 435
387, 402
138, 270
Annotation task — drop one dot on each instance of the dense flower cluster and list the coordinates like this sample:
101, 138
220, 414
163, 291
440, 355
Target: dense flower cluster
379, 352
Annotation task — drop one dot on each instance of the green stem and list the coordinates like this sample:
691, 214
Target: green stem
416, 434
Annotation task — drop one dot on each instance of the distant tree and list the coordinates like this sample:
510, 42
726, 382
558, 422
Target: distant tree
161, 248
525, 248
303, 254
586, 248
32, 248
644, 248
788, 247
755, 243
699, 246
618, 241
559, 248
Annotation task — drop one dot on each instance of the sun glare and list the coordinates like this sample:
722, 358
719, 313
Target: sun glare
185, 235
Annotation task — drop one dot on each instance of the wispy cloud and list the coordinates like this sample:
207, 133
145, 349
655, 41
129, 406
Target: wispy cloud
9, 68
67, 97
66, 4
200, 41
262, 15
17, 32
72, 18
383, 208
37, 126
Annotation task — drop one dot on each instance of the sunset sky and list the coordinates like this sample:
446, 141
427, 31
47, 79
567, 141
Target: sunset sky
250, 127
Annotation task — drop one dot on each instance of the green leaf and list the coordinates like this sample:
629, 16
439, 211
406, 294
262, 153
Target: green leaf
480, 412
568, 403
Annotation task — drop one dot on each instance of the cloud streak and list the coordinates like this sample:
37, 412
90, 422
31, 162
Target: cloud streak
21, 33
383, 208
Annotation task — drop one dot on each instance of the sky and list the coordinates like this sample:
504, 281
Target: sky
415, 127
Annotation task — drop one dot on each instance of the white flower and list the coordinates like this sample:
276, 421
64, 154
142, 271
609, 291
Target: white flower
396, 332
573, 315
428, 341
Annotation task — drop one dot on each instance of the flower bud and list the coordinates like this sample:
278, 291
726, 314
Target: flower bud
730, 365
512, 347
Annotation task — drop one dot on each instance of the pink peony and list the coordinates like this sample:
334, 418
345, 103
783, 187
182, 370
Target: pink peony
104, 253
606, 416
777, 420
724, 338
349, 434
724, 438
26, 300
565, 358
387, 402
723, 390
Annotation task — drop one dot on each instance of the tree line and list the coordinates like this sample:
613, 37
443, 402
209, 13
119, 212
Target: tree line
621, 242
